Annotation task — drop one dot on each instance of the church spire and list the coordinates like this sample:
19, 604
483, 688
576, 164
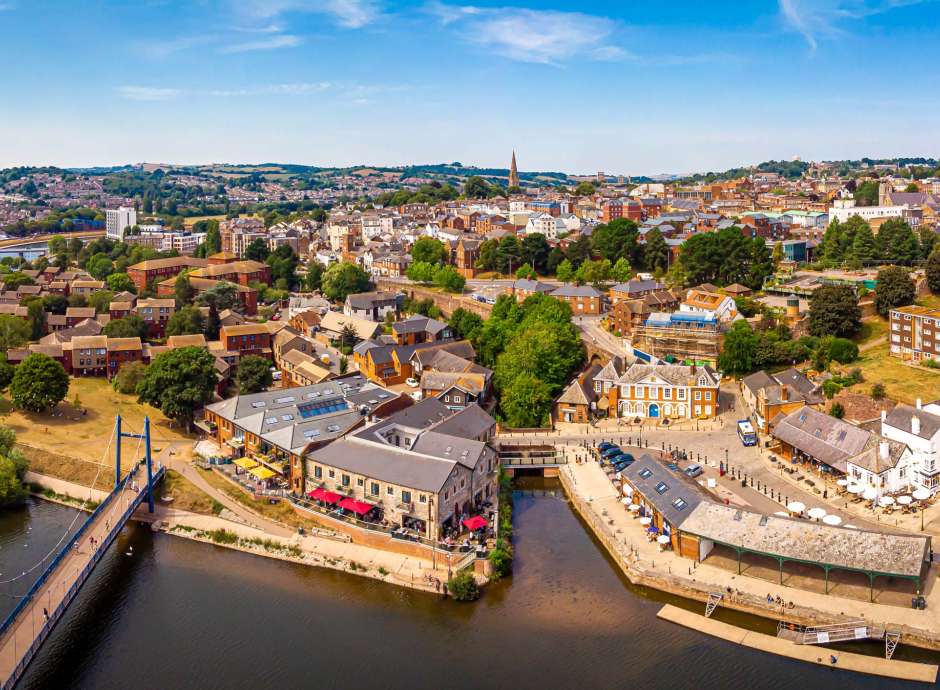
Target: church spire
513, 172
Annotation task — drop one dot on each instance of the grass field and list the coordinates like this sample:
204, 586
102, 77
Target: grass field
902, 381
71, 469
84, 431
187, 496
874, 329
188, 223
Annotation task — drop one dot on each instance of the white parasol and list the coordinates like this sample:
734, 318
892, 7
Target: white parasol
646, 520
795, 507
780, 513
816, 513
627, 490
904, 500
886, 501
663, 538
634, 508
842, 482
851, 527
833, 520
855, 488
921, 494
625, 500
870, 493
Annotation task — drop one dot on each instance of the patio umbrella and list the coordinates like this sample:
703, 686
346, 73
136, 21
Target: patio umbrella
627, 490
474, 523
645, 520
842, 482
625, 500
921, 494
833, 520
780, 513
663, 539
634, 508
816, 513
904, 500
870, 493
855, 488
795, 507
886, 501
851, 527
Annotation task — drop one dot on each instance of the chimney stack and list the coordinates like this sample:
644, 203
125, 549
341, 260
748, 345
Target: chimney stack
915, 425
884, 416
918, 404
784, 393
885, 450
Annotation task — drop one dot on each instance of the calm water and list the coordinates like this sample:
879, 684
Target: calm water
178, 614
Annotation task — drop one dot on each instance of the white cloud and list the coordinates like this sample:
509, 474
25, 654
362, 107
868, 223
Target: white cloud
814, 19
352, 14
543, 36
272, 43
298, 89
147, 93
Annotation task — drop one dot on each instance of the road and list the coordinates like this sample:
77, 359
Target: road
592, 333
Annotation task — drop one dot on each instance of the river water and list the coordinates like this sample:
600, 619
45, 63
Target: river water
178, 614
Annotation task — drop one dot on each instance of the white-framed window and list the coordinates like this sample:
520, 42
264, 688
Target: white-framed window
681, 394
698, 395
708, 395
667, 393
639, 391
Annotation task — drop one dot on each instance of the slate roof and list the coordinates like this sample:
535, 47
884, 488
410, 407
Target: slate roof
900, 418
663, 498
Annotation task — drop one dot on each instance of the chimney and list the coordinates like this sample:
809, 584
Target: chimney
784, 393
885, 450
915, 425
884, 416
918, 403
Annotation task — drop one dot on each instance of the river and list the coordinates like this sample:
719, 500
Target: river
179, 614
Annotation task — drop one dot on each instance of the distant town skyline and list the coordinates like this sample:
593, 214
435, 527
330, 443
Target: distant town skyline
643, 90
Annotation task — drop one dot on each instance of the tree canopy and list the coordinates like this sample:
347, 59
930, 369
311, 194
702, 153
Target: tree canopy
343, 279
895, 289
178, 382
39, 383
834, 310
429, 250
253, 375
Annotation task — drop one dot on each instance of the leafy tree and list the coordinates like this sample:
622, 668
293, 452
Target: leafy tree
933, 271
895, 289
594, 272
213, 239
866, 194
579, 251
509, 254
834, 310
128, 376
77, 301
535, 251
6, 372
585, 189
257, 250
466, 324
314, 276
841, 350
462, 586
897, 242
39, 383
565, 272
761, 264
621, 271
489, 250
100, 266
525, 402
178, 382
55, 304
11, 281
615, 240
343, 279
555, 257
213, 323
449, 279
476, 187
864, 250
186, 321
421, 272
131, 326
183, 290
837, 410
739, 351
14, 332
253, 375
120, 282
526, 271
58, 245
222, 296
655, 251
343, 365
100, 300
429, 250
36, 317
878, 391
927, 239
283, 262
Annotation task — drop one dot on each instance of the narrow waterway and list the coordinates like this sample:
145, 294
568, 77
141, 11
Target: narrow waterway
179, 614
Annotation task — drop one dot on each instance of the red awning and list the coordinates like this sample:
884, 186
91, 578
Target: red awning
358, 507
321, 494
474, 523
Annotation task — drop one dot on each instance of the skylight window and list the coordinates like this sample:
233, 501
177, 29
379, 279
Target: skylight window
662, 488
679, 504
646, 473
259, 403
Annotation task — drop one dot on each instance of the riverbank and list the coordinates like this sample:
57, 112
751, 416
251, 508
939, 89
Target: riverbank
594, 498
405, 571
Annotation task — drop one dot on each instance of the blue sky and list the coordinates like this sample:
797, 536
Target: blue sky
625, 87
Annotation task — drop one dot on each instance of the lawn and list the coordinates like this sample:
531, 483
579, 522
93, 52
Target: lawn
83, 428
874, 329
71, 469
189, 222
929, 300
902, 381
187, 496
278, 512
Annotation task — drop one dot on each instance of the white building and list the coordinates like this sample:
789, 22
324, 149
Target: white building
919, 429
550, 226
118, 220
843, 209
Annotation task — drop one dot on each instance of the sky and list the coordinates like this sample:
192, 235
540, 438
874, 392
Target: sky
623, 87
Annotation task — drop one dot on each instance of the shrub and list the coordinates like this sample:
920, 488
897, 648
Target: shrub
837, 410
223, 536
843, 351
463, 586
878, 391
830, 388
501, 558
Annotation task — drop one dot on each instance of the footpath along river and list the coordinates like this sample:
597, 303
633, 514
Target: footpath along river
179, 614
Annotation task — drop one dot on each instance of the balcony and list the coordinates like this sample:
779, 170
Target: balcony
406, 507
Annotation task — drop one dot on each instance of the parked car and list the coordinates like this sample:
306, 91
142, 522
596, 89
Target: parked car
604, 445
693, 471
610, 452
672, 466
412, 383
623, 463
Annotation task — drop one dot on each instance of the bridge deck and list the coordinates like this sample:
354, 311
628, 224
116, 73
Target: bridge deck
31, 622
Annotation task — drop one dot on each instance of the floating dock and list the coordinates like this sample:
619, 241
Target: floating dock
848, 661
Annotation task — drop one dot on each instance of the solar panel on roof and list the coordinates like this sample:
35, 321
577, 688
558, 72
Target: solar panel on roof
311, 433
270, 420
259, 403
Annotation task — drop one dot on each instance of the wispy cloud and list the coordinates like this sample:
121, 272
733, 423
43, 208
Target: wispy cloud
352, 14
272, 43
815, 19
299, 89
147, 93
543, 36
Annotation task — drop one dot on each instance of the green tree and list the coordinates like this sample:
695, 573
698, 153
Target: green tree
616, 239
6, 372
738, 355
594, 272
465, 324
213, 323
14, 332
58, 245
429, 250
343, 279
183, 290
837, 410
476, 187
489, 250
120, 282
222, 296
579, 251
13, 466
895, 289
11, 281
178, 382
39, 383
100, 266
866, 194
585, 189
655, 251
927, 238
257, 250
343, 365
186, 321
897, 242
565, 272
761, 264
100, 300
253, 375
535, 251
283, 262
55, 304
525, 402
36, 317
462, 586
932, 270
621, 271
421, 272
878, 391
447, 278
526, 271
314, 276
834, 310
509, 254
213, 239
864, 250
131, 326
128, 376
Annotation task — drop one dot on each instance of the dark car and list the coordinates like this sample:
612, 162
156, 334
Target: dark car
672, 466
610, 452
623, 464
604, 445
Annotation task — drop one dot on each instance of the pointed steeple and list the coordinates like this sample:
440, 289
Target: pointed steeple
513, 172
